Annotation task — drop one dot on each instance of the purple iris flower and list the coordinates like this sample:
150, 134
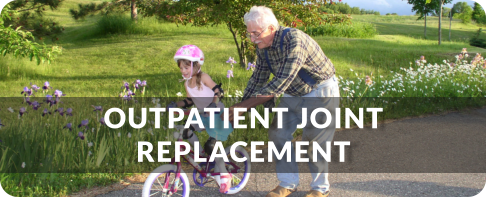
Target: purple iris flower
127, 86
27, 100
136, 86
35, 105
60, 110
45, 112
102, 121
26, 92
229, 74
84, 123
250, 65
50, 101
144, 83
69, 112
34, 87
58, 93
21, 111
81, 135
68, 126
127, 97
231, 60
46, 86
97, 108
130, 93
138, 82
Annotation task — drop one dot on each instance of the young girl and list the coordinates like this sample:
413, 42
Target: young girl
202, 92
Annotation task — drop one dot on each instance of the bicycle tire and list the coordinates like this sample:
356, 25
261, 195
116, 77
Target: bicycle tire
239, 179
151, 188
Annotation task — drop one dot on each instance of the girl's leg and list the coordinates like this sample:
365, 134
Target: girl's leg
193, 138
224, 178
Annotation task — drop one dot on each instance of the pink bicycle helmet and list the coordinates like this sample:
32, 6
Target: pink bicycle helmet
191, 53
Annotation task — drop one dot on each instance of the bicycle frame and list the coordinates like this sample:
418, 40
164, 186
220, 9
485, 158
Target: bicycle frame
190, 160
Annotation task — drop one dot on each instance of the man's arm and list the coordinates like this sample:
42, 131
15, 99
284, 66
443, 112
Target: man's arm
247, 104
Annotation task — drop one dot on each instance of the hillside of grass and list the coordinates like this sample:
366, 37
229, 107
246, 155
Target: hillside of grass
96, 64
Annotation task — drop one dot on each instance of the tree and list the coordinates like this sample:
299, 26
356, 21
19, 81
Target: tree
106, 8
466, 15
425, 7
459, 7
355, 10
445, 12
202, 13
29, 17
478, 11
20, 43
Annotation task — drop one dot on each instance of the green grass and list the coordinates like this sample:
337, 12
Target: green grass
96, 65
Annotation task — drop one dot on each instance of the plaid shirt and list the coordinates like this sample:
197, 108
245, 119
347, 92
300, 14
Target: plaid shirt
300, 51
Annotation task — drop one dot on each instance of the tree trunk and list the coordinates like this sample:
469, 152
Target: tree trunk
450, 25
133, 7
440, 21
240, 49
425, 27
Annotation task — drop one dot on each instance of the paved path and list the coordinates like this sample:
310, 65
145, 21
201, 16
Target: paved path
380, 183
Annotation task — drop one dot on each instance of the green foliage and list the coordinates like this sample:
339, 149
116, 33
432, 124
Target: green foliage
426, 7
20, 43
115, 24
344, 8
336, 19
353, 30
465, 16
206, 13
29, 17
445, 12
116, 7
481, 21
477, 41
459, 7
478, 14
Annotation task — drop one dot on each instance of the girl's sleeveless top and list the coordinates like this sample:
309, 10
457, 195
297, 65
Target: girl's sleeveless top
202, 97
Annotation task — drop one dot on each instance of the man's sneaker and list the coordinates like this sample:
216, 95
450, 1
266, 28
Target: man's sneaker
280, 191
225, 186
315, 193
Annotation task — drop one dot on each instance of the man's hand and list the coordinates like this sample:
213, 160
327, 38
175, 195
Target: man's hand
212, 105
231, 113
247, 104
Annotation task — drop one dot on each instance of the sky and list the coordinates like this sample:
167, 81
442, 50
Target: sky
401, 7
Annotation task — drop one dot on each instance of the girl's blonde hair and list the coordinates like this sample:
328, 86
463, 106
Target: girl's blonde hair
195, 67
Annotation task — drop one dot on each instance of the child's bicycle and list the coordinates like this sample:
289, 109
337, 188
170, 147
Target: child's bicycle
170, 180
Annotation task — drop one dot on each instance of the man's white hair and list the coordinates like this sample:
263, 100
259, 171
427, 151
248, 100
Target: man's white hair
262, 16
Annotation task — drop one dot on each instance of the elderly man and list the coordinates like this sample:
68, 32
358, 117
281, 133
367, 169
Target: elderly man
305, 77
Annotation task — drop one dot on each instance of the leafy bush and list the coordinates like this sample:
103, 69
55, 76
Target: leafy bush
352, 30
476, 41
115, 24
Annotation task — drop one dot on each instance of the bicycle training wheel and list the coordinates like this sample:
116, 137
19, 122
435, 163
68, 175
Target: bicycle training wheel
156, 185
239, 170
